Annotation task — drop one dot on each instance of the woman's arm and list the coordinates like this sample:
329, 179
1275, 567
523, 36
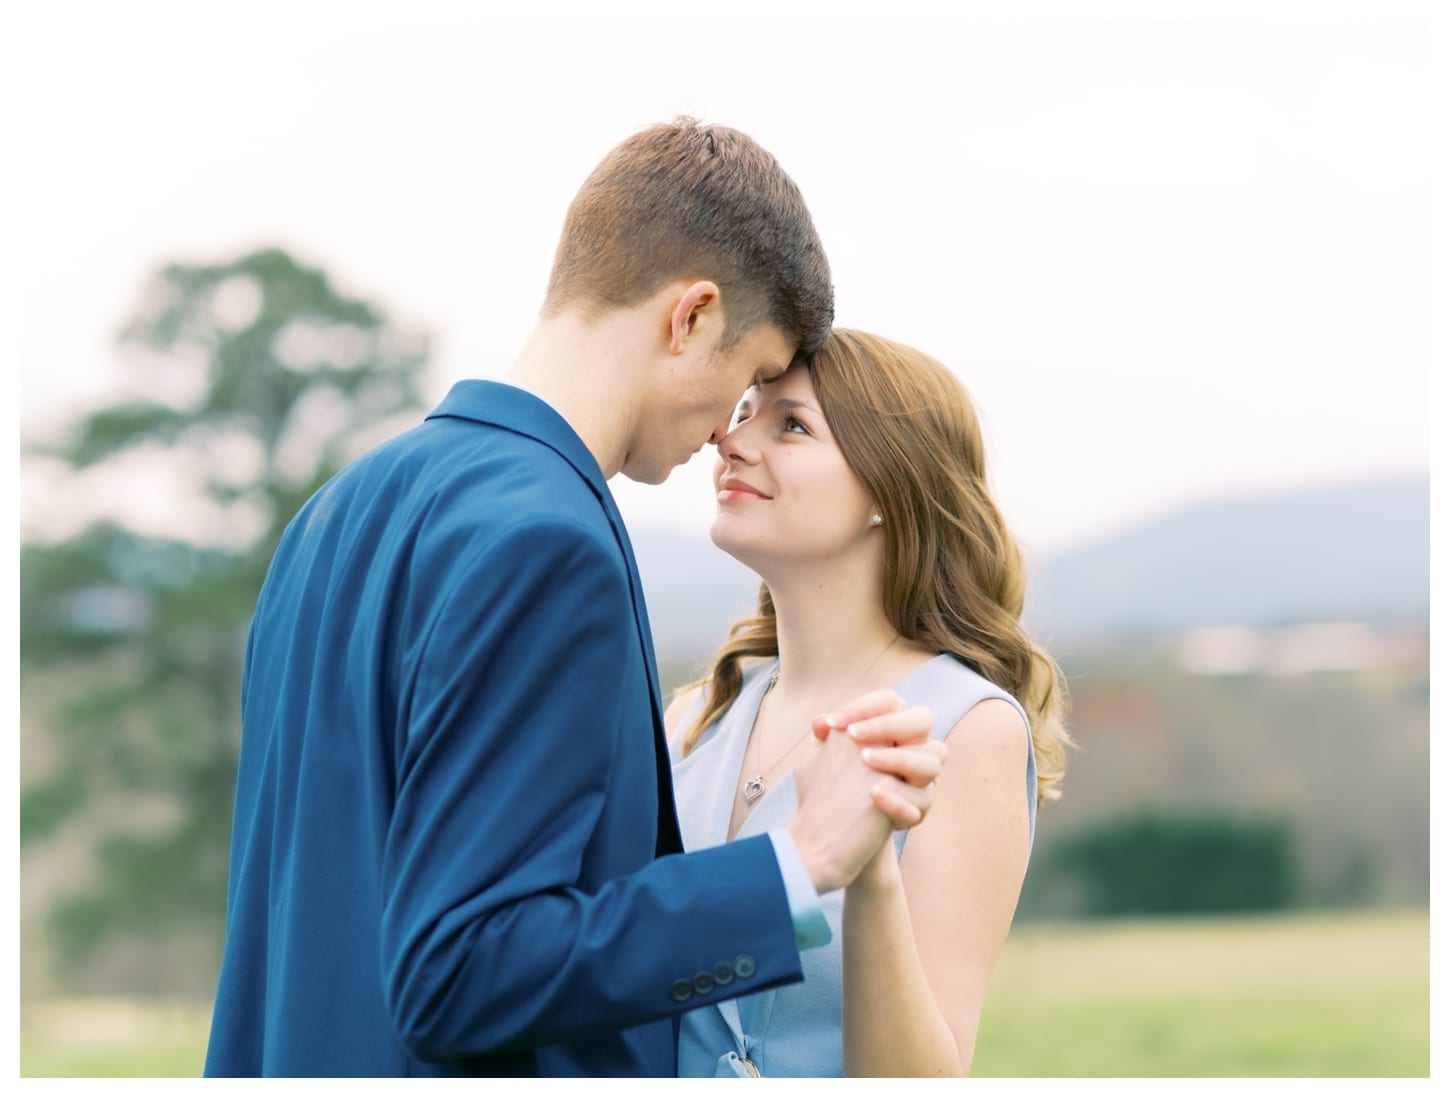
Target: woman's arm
920, 939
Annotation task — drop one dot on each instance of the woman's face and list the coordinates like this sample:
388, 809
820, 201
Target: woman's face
783, 487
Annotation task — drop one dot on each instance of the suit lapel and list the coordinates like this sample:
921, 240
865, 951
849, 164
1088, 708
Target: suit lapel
667, 837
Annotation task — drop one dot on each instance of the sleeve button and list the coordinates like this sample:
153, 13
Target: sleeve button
745, 966
681, 989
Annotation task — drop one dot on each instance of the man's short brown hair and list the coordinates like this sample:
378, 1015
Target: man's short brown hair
689, 200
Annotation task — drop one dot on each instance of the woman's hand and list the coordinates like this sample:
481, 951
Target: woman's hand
894, 741
907, 800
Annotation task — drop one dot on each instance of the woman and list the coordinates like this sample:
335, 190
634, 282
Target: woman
855, 485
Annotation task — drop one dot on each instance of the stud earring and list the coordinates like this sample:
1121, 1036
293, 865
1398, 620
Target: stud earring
877, 520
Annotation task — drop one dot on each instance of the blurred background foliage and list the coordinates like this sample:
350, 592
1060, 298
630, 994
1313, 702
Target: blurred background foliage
132, 643
1158, 862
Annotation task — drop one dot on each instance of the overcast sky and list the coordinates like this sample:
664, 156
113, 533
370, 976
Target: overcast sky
1171, 260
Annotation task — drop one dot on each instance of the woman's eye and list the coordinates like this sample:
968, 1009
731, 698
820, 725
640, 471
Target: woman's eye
792, 425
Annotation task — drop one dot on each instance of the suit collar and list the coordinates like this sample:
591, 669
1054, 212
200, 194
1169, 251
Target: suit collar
522, 412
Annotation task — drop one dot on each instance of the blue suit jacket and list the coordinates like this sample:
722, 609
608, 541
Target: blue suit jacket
455, 848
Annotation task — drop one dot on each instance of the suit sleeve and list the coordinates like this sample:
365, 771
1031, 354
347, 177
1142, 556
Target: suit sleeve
514, 721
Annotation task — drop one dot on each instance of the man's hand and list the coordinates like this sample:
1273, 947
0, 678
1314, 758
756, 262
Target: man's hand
859, 784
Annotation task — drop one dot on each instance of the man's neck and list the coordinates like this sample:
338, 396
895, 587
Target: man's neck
587, 372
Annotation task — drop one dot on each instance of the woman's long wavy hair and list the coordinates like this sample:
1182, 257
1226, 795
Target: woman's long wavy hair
954, 578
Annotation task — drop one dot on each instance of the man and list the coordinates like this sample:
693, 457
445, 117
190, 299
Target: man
455, 847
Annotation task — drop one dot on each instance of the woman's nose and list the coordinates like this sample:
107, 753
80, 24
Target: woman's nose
735, 445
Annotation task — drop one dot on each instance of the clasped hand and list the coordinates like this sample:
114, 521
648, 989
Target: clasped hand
870, 771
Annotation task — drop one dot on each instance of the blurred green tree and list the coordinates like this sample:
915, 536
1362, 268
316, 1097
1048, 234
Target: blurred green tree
1178, 862
139, 638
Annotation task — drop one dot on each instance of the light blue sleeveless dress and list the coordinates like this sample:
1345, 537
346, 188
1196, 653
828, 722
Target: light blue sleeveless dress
794, 1030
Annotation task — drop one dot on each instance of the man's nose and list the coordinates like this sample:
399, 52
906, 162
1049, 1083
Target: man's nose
722, 428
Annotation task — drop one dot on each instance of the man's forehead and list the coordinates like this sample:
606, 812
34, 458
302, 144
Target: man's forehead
774, 350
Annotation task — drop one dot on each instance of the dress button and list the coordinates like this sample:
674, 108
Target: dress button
745, 966
681, 989
704, 983
723, 974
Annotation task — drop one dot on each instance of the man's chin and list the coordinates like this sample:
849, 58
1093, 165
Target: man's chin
647, 474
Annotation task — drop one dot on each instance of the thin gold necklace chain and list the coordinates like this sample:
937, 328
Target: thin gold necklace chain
759, 779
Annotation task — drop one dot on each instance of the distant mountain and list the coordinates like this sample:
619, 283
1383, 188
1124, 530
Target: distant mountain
1353, 553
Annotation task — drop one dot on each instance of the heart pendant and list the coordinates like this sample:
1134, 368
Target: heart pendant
754, 789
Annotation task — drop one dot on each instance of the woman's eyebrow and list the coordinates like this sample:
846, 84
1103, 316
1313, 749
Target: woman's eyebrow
785, 404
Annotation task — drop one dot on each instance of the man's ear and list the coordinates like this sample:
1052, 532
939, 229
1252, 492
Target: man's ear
697, 310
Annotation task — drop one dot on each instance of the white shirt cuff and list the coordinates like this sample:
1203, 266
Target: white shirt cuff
806, 916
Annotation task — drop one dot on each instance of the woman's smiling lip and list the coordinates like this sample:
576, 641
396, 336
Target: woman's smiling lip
733, 488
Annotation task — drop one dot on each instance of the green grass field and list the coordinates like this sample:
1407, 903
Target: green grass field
1306, 995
